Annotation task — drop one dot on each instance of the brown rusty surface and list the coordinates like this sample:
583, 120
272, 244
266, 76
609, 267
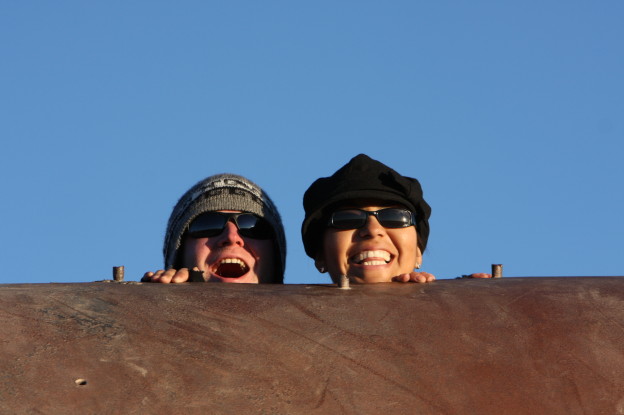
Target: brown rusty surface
504, 346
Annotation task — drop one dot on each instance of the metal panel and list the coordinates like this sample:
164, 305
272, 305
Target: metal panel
511, 345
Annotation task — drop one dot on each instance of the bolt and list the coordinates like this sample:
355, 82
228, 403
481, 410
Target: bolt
343, 284
497, 270
118, 273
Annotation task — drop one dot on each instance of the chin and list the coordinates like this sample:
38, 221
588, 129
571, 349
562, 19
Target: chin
376, 280
244, 279
371, 277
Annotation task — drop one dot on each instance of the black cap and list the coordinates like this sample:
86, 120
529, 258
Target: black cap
360, 178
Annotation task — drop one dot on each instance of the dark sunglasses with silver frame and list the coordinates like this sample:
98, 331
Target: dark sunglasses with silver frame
210, 224
356, 218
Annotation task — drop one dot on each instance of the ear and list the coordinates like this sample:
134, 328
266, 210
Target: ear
418, 258
319, 263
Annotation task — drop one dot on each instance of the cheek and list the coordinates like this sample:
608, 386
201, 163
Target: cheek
335, 245
264, 248
406, 243
193, 251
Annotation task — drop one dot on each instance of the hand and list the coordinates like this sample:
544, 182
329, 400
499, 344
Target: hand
478, 275
166, 277
415, 277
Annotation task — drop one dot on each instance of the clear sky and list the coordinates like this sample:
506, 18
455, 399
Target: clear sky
509, 113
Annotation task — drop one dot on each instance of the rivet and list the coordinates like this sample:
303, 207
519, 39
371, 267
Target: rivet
497, 270
118, 273
343, 284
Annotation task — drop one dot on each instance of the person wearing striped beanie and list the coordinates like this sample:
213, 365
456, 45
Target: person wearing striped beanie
227, 228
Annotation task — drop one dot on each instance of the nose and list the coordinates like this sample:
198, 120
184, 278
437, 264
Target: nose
371, 228
230, 235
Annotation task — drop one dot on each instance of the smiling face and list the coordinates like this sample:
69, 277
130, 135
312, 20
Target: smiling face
229, 257
371, 253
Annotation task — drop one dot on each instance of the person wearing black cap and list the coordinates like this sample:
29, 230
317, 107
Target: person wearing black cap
367, 222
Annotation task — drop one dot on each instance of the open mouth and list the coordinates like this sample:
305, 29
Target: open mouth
230, 268
372, 258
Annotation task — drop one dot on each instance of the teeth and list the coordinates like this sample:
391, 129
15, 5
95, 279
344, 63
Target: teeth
233, 261
384, 255
373, 262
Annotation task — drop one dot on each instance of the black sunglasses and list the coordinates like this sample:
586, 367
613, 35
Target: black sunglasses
213, 223
356, 218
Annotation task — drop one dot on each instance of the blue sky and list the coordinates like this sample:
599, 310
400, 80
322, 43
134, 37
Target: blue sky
509, 113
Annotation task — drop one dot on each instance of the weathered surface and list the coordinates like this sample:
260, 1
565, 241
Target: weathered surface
505, 346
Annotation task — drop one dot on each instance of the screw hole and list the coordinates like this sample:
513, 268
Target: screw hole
81, 382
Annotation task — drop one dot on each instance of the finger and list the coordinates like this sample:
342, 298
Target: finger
166, 277
428, 277
480, 275
147, 277
182, 275
162, 276
401, 278
422, 277
414, 277
156, 275
418, 277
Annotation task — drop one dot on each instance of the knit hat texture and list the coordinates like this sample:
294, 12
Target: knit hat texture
361, 178
223, 192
